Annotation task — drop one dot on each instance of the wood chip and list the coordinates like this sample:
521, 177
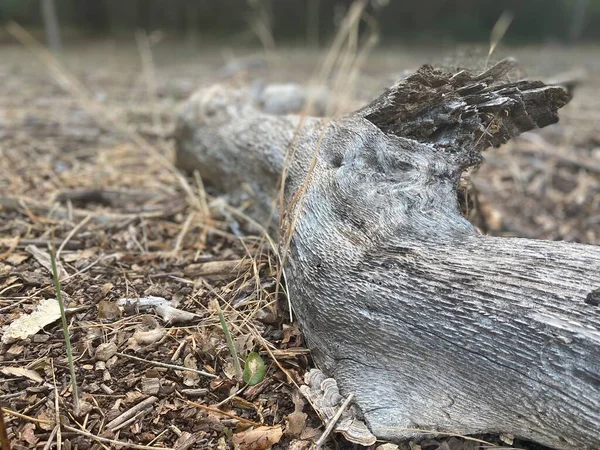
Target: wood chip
260, 438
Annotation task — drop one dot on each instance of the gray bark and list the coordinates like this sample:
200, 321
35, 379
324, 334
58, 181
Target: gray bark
429, 324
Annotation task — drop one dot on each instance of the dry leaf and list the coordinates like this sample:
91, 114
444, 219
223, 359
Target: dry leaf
310, 434
221, 444
260, 438
190, 378
108, 310
148, 337
106, 288
22, 372
46, 420
132, 397
296, 422
11, 244
28, 434
15, 350
147, 332
150, 386
186, 440
27, 325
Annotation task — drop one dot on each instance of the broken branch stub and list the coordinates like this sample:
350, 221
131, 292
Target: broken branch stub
429, 324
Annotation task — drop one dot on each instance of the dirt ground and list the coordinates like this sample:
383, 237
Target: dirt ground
84, 165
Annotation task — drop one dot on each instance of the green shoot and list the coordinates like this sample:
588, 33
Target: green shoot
236, 361
254, 369
65, 332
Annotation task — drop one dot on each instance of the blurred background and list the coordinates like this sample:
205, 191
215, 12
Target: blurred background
311, 22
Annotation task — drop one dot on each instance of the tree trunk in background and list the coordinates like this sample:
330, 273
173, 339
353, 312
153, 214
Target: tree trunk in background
429, 324
51, 26
578, 20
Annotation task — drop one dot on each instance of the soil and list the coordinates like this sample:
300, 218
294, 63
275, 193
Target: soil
85, 152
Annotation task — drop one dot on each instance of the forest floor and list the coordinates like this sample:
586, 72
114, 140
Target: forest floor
85, 151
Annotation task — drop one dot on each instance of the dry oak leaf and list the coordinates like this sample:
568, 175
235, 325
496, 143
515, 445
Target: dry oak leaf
260, 438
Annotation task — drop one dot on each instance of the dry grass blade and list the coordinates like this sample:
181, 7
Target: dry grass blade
72, 233
498, 31
168, 366
224, 413
349, 63
25, 417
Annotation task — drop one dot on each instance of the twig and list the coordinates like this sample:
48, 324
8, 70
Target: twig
235, 394
51, 437
25, 417
72, 233
332, 422
218, 411
184, 230
131, 412
130, 420
169, 366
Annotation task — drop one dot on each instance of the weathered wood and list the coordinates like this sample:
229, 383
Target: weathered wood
428, 323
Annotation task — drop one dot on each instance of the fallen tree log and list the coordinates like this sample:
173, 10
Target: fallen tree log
429, 324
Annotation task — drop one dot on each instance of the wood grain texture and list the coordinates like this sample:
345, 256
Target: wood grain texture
429, 324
